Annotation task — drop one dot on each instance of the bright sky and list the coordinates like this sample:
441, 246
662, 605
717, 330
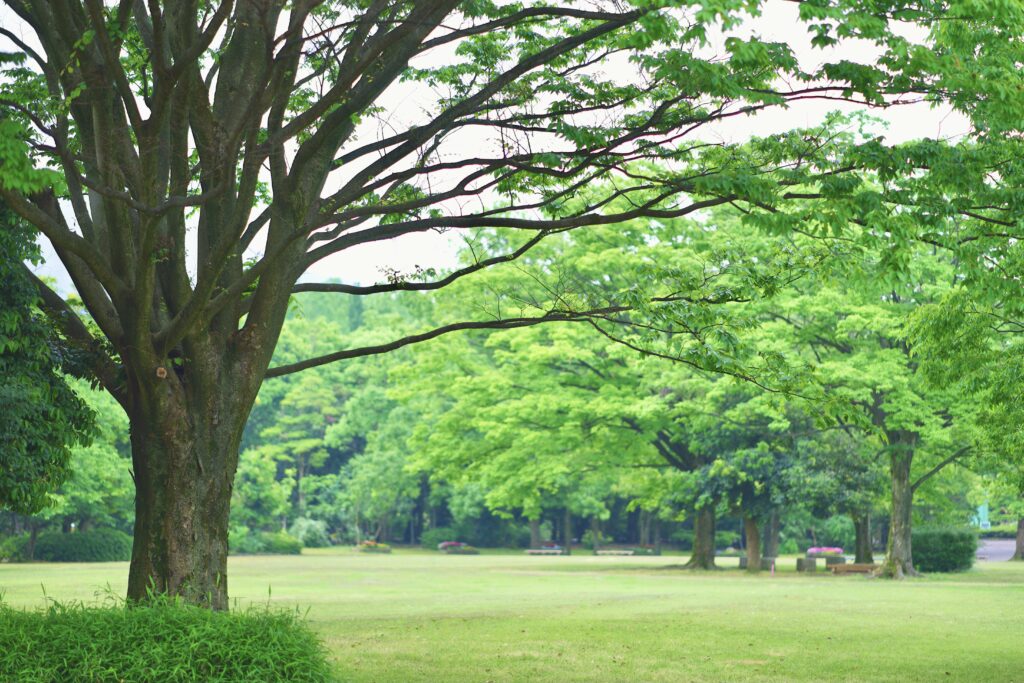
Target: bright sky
405, 104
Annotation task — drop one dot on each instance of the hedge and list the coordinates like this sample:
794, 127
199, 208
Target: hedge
95, 545
944, 549
168, 643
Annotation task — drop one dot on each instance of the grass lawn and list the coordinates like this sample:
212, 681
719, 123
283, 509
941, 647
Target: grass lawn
419, 616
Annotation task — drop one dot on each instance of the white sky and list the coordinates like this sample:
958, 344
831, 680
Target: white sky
406, 102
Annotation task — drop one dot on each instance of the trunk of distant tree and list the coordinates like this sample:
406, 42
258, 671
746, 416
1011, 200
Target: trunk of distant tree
595, 533
535, 539
643, 528
33, 534
899, 561
703, 556
753, 535
771, 535
657, 536
1018, 552
862, 535
567, 532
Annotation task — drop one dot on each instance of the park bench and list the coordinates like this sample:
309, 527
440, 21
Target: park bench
614, 552
854, 568
544, 551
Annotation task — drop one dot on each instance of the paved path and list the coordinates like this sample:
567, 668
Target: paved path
995, 549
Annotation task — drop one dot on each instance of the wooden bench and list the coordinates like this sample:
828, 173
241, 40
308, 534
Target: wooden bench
614, 552
544, 551
853, 568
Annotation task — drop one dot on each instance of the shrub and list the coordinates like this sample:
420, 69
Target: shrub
243, 541
170, 643
13, 549
280, 543
789, 547
432, 538
944, 549
95, 545
1007, 530
312, 532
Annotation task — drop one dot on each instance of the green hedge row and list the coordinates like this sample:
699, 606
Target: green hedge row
944, 549
95, 545
244, 541
166, 643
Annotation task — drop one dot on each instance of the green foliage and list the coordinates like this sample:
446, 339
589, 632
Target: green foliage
311, 532
14, 548
430, 538
244, 541
944, 549
1008, 530
280, 543
40, 415
169, 643
94, 545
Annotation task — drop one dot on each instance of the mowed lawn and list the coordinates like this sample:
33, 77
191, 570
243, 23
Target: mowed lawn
419, 616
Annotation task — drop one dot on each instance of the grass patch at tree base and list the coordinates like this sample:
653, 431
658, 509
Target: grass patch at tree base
165, 642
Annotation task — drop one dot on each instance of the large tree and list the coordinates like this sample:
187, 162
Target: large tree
190, 161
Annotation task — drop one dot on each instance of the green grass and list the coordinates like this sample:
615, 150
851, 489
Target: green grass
420, 616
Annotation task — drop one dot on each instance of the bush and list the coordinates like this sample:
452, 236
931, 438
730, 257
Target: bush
243, 541
312, 532
280, 543
944, 549
1008, 530
432, 538
170, 643
13, 549
95, 545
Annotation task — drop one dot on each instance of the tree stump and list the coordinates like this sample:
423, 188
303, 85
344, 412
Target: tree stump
806, 564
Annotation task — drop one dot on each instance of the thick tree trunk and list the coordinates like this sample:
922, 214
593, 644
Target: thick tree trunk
862, 535
567, 532
703, 556
753, 535
185, 433
535, 539
1018, 552
899, 561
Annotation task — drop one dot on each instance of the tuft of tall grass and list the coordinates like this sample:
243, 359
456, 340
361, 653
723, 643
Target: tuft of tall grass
165, 641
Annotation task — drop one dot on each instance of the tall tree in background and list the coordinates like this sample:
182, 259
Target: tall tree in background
188, 135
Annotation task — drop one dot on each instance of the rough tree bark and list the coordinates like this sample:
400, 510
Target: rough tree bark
567, 532
899, 561
753, 535
535, 539
862, 544
703, 555
186, 426
1018, 552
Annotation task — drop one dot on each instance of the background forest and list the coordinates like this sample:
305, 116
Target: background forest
609, 431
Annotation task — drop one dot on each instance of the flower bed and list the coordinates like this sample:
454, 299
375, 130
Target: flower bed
824, 551
461, 549
373, 547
